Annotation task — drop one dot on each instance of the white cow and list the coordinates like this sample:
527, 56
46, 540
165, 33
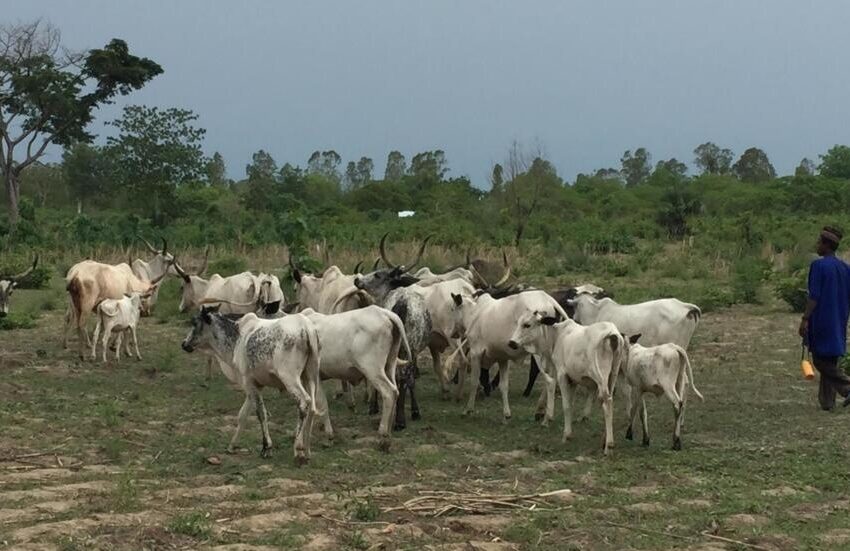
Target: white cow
162, 263
427, 278
254, 353
240, 293
488, 324
587, 355
658, 321
120, 315
444, 329
662, 369
362, 344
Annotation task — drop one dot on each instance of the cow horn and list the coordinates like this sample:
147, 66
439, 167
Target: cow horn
478, 275
468, 261
419, 254
160, 278
357, 267
146, 242
384, 252
26, 272
289, 261
203, 268
164, 246
507, 271
213, 300
375, 265
180, 271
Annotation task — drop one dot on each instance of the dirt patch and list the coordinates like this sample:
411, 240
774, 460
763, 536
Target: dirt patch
744, 520
696, 503
322, 542
839, 536
266, 522
243, 547
481, 524
76, 526
203, 492
641, 491
507, 458
646, 508
287, 485
39, 512
781, 491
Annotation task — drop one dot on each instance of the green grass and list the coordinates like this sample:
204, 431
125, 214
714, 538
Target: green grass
195, 525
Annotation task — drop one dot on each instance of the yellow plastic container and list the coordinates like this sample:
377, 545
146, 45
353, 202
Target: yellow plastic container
808, 370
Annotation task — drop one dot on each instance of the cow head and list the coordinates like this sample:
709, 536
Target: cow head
8, 284
459, 303
380, 282
584, 308
200, 335
529, 331
162, 262
192, 289
481, 282
270, 295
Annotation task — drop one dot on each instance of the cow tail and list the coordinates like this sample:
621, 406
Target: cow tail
695, 314
614, 342
312, 369
399, 328
75, 289
683, 357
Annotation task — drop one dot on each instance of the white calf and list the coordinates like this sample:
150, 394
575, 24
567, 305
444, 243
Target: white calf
663, 369
121, 316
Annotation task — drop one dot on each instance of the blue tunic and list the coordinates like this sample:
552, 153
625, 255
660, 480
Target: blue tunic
829, 285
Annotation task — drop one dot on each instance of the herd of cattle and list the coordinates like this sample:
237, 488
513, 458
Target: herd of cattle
373, 326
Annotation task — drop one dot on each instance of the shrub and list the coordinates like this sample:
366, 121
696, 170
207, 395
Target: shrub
195, 525
793, 290
37, 279
227, 265
715, 298
17, 320
749, 274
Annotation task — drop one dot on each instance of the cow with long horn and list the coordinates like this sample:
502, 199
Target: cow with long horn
161, 263
8, 284
389, 287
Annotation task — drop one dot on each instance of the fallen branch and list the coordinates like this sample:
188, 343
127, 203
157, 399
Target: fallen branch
736, 542
436, 503
26, 456
353, 522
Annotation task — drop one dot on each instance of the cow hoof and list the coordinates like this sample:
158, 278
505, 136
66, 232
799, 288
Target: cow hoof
539, 416
373, 411
266, 453
384, 444
645, 442
505, 419
629, 434
301, 460
467, 412
677, 444
398, 427
415, 416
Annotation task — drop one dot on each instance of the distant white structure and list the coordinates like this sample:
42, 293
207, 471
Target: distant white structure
406, 213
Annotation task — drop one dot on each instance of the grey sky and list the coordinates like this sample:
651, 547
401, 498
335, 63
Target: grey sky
587, 80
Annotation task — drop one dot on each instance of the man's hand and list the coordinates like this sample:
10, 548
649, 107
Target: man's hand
804, 328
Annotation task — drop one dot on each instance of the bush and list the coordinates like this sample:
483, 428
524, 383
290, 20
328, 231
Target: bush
715, 298
748, 276
227, 265
37, 279
17, 320
195, 525
793, 290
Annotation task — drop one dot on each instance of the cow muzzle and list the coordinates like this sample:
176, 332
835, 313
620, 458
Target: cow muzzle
513, 345
187, 347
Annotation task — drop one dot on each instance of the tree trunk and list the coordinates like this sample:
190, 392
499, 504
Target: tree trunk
14, 193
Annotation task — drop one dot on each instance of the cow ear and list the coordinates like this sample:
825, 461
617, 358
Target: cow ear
458, 300
549, 320
404, 280
634, 338
571, 293
13, 285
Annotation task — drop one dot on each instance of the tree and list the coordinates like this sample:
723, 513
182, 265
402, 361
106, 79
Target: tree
43, 180
155, 151
712, 160
216, 171
396, 167
360, 173
636, 167
836, 162
429, 164
530, 176
88, 171
262, 167
48, 94
677, 204
611, 174
805, 168
497, 178
754, 166
325, 163
674, 167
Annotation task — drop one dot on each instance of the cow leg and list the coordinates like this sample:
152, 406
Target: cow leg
119, 338
504, 383
475, 362
95, 335
588, 407
209, 369
437, 361
389, 394
262, 416
607, 412
135, 344
644, 422
341, 390
400, 423
294, 385
127, 335
322, 403
546, 403
244, 413
677, 428
567, 396
461, 380
533, 372
634, 404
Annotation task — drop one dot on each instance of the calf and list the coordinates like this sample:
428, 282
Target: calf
586, 355
255, 353
362, 344
663, 369
121, 315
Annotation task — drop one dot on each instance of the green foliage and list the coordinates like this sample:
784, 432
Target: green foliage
227, 265
836, 162
749, 275
754, 166
11, 265
17, 320
793, 290
195, 524
364, 510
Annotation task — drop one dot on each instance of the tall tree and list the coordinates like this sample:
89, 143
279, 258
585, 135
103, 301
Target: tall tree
430, 164
674, 167
48, 94
351, 176
262, 167
44, 180
396, 167
754, 166
88, 171
836, 162
529, 178
497, 178
156, 150
711, 159
365, 166
805, 168
216, 171
636, 167
325, 163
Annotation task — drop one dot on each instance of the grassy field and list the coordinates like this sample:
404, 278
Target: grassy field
131, 456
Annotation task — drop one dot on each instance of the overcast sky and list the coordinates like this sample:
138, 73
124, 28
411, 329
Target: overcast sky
586, 80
